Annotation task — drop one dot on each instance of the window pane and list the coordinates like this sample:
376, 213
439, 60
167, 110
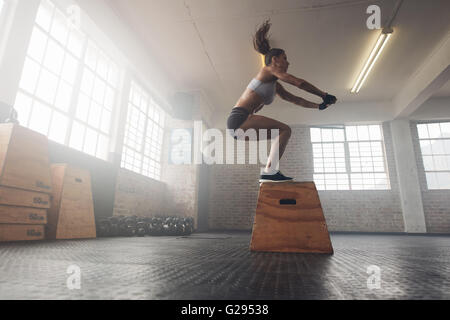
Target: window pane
95, 113
40, 118
54, 57
352, 133
90, 142
440, 163
87, 84
338, 135
443, 180
23, 107
102, 67
44, 15
63, 97
83, 105
109, 99
38, 43
434, 130
99, 91
363, 133
77, 136
106, 121
58, 128
59, 29
425, 146
30, 76
437, 147
75, 43
428, 163
102, 148
375, 132
70, 69
48, 83
327, 135
91, 57
422, 129
432, 180
445, 129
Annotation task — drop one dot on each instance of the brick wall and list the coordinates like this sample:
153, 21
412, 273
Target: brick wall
181, 185
234, 193
139, 195
175, 195
436, 203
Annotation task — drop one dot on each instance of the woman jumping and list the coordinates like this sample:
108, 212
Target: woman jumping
261, 91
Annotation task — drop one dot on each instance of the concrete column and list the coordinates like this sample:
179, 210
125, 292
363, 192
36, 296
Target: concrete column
410, 192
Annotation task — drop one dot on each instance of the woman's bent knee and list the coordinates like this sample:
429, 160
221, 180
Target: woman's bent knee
286, 130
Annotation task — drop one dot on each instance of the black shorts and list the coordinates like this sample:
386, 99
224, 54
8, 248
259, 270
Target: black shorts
237, 118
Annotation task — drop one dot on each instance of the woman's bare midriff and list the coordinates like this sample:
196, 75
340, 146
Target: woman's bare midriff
250, 99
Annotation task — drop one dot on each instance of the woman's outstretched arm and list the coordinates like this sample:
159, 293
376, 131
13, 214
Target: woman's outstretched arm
285, 95
299, 83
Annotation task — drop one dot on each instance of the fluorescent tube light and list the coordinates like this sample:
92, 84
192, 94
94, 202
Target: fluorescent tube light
374, 55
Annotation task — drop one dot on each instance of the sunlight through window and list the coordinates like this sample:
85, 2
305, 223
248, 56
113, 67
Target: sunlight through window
69, 86
351, 158
143, 134
434, 141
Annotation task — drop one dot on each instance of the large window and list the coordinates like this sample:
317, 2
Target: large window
143, 134
435, 145
68, 86
95, 103
329, 159
2, 4
350, 158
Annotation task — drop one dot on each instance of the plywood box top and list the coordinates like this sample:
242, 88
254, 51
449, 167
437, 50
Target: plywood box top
24, 159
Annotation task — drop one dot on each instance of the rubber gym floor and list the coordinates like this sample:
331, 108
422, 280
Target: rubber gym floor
219, 266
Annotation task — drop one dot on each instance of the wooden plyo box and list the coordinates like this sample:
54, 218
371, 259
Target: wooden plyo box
22, 215
24, 162
289, 218
24, 198
71, 215
21, 232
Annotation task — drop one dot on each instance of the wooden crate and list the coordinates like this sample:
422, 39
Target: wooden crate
21, 232
289, 218
71, 215
24, 198
22, 215
24, 162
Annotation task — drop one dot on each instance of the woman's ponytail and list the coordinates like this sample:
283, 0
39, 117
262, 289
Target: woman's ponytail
261, 40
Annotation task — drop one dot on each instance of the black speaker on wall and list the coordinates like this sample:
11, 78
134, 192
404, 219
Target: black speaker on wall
183, 105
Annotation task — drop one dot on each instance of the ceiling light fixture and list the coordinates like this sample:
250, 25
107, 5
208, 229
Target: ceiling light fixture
383, 39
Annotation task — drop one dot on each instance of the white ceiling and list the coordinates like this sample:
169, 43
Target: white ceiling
207, 44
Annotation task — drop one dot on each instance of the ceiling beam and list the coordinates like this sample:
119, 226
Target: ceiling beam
432, 75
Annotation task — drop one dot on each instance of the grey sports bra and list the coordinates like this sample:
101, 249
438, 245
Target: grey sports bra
266, 90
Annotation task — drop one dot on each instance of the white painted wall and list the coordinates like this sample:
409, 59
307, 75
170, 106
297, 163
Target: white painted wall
433, 109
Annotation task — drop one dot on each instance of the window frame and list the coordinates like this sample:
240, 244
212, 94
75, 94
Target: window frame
141, 151
350, 174
70, 113
430, 139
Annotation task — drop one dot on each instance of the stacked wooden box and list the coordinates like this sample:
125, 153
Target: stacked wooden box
25, 183
71, 215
